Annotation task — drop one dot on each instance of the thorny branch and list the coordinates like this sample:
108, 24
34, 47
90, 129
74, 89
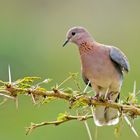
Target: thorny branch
65, 118
24, 86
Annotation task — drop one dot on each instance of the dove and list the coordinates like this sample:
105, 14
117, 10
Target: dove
103, 69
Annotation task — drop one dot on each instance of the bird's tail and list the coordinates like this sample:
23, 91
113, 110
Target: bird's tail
105, 116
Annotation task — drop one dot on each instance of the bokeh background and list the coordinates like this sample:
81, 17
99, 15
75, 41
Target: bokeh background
31, 37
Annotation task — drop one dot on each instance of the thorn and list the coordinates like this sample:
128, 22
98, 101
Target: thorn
9, 74
96, 132
7, 96
16, 100
33, 99
3, 102
64, 81
88, 130
131, 126
106, 94
86, 87
92, 111
134, 89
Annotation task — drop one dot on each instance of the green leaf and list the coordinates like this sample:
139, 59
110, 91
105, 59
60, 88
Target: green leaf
62, 116
27, 80
117, 131
119, 126
68, 90
41, 89
74, 75
79, 103
132, 99
48, 99
24, 85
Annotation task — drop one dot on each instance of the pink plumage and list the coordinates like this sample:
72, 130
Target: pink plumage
103, 66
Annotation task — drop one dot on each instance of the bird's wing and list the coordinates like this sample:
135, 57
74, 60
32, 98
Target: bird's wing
86, 80
119, 57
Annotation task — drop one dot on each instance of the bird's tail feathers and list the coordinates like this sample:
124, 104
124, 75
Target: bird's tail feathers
105, 116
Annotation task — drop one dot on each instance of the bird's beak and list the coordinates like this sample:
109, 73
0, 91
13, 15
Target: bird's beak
65, 42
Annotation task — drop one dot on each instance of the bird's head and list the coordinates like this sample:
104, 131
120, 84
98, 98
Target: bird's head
76, 34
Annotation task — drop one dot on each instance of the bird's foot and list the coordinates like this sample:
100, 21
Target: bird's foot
96, 97
102, 99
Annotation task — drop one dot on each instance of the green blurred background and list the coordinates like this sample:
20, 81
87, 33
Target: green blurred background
31, 37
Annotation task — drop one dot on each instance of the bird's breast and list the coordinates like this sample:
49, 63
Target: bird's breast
98, 67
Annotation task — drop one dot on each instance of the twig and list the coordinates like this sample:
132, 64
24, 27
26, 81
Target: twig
57, 122
88, 100
13, 89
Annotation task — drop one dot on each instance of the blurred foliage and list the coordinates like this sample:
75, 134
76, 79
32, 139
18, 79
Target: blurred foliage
31, 35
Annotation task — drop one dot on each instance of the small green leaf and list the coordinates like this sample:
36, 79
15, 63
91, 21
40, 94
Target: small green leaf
41, 89
117, 131
119, 126
73, 75
132, 99
22, 85
79, 103
62, 116
48, 99
27, 80
68, 90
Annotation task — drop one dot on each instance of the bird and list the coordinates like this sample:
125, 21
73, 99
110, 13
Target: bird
102, 68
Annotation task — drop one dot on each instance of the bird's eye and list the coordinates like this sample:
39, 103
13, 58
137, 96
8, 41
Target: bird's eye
73, 33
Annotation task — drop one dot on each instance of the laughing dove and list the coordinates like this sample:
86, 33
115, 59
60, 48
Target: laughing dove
103, 67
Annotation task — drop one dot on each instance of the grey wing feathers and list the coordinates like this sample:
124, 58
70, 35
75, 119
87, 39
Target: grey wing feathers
119, 57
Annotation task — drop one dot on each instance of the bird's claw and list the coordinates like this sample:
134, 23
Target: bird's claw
96, 97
